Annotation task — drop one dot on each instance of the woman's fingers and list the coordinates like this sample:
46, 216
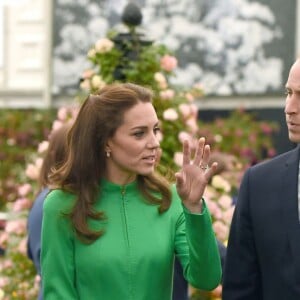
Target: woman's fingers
211, 170
199, 151
201, 158
202, 153
205, 156
186, 153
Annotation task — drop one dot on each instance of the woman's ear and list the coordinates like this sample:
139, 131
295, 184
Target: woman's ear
107, 150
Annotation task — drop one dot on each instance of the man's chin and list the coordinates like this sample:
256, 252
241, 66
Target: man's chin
294, 138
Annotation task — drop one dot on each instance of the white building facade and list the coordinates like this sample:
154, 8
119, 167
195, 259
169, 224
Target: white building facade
25, 54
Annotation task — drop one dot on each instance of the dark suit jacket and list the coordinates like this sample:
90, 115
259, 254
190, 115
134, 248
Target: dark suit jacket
263, 255
34, 225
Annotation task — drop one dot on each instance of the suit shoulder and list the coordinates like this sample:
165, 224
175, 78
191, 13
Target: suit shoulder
281, 158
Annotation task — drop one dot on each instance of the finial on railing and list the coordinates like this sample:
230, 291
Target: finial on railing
132, 15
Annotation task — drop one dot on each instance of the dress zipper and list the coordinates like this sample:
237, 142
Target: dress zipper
127, 240
124, 211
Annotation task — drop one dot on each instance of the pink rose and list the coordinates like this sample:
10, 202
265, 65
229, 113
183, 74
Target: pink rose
184, 109
22, 248
24, 189
43, 146
32, 172
185, 136
271, 152
225, 201
178, 158
21, 204
62, 113
88, 73
228, 214
189, 97
3, 239
214, 209
4, 281
194, 110
57, 124
16, 226
167, 94
170, 114
168, 63
192, 124
221, 230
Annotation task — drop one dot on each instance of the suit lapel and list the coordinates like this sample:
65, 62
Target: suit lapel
290, 206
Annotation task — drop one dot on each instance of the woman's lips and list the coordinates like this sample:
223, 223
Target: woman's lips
150, 158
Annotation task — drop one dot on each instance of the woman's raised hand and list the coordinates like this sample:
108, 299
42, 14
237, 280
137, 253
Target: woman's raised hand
192, 179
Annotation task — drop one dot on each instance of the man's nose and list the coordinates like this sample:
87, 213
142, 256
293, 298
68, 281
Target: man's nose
292, 104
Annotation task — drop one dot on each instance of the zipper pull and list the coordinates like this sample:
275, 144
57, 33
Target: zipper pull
123, 191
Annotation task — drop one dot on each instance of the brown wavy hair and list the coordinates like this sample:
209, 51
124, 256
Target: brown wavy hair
99, 117
55, 154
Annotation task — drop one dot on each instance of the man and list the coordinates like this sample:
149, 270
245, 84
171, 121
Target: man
263, 255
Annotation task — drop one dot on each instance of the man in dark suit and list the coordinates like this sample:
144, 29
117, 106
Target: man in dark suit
263, 254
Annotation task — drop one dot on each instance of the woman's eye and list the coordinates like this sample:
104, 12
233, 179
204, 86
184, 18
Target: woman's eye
156, 130
139, 133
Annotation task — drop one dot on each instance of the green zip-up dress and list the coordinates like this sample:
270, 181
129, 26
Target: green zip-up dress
134, 258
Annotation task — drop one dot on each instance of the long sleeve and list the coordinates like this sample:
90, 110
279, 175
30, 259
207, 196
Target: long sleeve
197, 249
241, 279
57, 253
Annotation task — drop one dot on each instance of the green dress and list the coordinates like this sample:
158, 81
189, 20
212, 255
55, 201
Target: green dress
134, 258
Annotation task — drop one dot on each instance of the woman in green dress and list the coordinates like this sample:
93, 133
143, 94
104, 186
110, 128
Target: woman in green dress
112, 226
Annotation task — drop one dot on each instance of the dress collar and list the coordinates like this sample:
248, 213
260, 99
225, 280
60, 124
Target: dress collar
109, 186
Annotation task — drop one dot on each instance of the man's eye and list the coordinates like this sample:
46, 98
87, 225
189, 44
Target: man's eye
288, 92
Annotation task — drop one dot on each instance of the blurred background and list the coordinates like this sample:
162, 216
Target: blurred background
229, 63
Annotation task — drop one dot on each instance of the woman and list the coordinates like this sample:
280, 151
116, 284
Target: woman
54, 157
111, 225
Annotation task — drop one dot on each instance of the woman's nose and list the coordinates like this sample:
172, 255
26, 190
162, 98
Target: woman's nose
153, 141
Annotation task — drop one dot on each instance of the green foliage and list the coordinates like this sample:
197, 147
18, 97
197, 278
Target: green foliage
125, 58
142, 69
21, 278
